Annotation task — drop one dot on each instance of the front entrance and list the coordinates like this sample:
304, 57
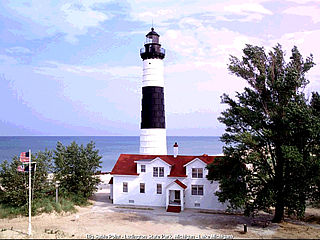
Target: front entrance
174, 201
175, 196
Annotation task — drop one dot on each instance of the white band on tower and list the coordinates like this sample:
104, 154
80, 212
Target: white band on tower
153, 73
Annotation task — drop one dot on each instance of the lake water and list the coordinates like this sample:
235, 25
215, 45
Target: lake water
110, 147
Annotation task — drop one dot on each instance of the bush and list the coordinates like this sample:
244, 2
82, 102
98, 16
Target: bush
75, 167
67, 205
15, 184
57, 207
7, 211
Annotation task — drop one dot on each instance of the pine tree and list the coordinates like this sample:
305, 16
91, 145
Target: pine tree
75, 167
273, 128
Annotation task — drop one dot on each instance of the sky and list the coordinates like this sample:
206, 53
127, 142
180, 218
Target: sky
73, 67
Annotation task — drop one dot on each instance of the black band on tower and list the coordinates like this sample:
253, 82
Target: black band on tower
152, 114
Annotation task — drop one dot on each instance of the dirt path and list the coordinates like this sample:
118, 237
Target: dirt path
104, 219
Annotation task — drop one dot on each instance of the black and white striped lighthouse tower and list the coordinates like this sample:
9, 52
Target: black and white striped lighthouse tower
153, 127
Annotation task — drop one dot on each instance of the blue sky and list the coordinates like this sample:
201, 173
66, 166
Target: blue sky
73, 67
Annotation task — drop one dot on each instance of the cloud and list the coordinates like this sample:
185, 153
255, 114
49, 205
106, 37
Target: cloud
71, 18
302, 1
247, 7
54, 68
311, 11
164, 12
6, 60
19, 51
205, 44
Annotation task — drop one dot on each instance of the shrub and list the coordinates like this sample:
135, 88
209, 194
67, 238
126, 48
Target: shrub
74, 168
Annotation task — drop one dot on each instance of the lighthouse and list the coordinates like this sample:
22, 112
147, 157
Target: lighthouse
153, 127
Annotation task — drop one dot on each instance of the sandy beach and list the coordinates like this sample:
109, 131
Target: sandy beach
104, 220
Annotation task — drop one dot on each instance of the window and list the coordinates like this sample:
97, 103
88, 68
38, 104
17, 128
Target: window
158, 171
197, 204
161, 171
197, 172
143, 168
159, 188
196, 189
125, 187
131, 201
155, 171
142, 188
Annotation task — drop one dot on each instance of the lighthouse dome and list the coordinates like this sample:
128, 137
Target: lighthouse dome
152, 37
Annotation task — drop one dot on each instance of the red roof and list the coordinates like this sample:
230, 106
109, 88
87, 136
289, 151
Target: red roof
126, 163
180, 184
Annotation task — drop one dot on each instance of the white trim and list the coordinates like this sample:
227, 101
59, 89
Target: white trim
196, 159
149, 161
158, 158
175, 183
123, 175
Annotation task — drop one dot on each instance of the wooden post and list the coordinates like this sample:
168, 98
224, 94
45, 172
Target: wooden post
245, 228
57, 190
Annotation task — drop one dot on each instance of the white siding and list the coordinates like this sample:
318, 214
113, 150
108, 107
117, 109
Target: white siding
208, 200
111, 191
150, 197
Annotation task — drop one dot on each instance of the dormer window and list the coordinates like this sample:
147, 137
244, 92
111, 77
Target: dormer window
197, 172
158, 171
143, 168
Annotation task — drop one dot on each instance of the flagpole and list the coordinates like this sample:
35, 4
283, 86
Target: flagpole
29, 229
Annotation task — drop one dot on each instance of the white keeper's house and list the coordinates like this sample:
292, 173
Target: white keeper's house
153, 178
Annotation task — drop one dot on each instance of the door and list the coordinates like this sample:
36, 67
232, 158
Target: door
177, 195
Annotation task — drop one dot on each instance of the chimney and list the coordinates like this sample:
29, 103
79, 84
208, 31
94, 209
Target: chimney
175, 150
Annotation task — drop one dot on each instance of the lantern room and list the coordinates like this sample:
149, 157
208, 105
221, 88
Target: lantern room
152, 47
152, 37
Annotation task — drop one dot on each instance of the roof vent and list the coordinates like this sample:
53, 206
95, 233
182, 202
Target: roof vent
175, 149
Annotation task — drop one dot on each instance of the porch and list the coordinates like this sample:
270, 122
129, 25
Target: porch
175, 194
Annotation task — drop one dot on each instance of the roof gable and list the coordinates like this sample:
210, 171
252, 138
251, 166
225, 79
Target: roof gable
195, 160
159, 159
180, 184
177, 182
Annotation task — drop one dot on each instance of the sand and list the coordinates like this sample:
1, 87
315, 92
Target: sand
104, 220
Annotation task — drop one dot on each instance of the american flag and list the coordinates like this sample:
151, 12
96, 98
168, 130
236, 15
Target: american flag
24, 157
20, 168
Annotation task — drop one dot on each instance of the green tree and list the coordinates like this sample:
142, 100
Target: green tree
75, 167
272, 126
15, 184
